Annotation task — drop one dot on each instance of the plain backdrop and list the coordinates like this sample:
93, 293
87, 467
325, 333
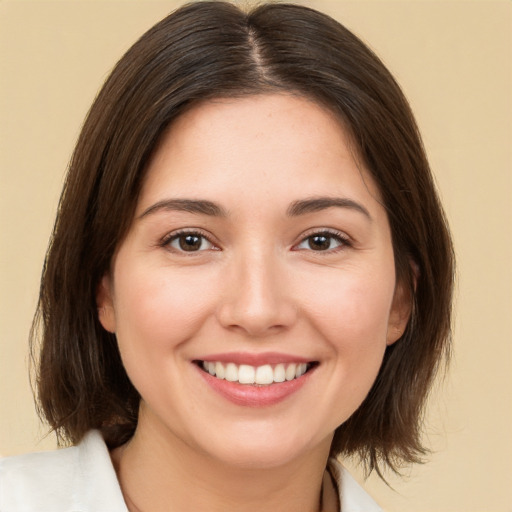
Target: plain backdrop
454, 62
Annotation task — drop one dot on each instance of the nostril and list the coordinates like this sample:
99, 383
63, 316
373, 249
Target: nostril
256, 323
255, 300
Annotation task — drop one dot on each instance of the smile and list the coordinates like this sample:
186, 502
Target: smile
263, 375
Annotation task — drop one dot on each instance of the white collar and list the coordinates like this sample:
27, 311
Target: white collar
82, 479
353, 498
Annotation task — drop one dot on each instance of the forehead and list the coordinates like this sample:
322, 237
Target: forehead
252, 145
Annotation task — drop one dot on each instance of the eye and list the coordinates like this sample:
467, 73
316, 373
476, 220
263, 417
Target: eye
188, 241
323, 241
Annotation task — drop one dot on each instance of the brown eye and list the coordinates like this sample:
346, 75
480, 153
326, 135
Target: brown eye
319, 242
190, 242
324, 241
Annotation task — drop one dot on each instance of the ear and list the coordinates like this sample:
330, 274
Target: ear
400, 313
105, 303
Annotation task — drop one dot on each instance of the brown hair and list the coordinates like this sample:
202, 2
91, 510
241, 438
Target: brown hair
213, 49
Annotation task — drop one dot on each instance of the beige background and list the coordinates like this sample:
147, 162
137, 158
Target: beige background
453, 59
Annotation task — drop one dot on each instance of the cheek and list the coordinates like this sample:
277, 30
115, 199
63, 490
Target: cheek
352, 318
157, 310
351, 313
352, 309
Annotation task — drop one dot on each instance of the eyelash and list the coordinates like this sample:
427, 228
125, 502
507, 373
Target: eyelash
342, 239
175, 235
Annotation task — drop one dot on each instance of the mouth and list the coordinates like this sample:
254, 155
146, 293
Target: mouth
263, 375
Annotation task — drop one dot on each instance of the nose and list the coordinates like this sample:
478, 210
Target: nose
256, 298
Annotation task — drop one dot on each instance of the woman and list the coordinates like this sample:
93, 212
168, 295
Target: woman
250, 274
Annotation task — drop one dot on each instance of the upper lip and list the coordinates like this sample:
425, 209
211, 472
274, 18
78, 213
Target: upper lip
254, 359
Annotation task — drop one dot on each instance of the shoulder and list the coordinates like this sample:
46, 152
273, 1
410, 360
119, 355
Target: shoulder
353, 498
76, 479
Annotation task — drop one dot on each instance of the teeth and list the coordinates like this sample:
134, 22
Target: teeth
246, 374
231, 372
219, 370
301, 369
290, 372
279, 373
262, 375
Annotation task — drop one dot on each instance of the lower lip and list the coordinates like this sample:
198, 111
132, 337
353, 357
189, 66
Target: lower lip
253, 395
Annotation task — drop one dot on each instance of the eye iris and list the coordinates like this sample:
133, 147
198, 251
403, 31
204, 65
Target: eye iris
190, 242
319, 242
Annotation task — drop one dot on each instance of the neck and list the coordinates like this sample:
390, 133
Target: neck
160, 473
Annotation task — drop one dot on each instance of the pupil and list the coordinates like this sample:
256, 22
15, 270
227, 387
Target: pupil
190, 242
319, 242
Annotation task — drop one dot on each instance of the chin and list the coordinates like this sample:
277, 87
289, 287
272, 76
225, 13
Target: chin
257, 450
258, 458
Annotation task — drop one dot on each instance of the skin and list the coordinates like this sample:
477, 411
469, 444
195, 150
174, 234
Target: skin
256, 284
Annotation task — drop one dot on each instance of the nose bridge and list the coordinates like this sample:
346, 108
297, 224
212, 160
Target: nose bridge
256, 298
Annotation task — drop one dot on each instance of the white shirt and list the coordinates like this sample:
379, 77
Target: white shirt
82, 479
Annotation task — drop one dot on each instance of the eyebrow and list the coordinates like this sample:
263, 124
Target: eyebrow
297, 208
200, 206
317, 204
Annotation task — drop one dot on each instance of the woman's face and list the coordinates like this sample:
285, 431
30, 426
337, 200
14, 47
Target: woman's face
254, 295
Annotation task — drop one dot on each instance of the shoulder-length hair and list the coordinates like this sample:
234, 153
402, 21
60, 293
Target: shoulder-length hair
214, 49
